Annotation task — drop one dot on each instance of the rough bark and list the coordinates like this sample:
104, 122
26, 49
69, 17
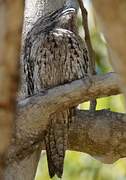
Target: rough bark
106, 125
25, 169
113, 24
103, 137
11, 15
33, 113
36, 109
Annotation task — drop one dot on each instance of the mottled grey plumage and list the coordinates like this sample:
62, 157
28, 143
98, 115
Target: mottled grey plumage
54, 54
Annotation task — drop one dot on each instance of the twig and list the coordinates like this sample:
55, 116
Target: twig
93, 103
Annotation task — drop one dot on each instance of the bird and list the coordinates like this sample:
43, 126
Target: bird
55, 54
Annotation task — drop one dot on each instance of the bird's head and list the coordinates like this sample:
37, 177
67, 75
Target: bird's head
63, 16
67, 18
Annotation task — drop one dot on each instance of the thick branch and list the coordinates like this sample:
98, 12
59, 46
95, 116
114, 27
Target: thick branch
102, 137
40, 106
33, 113
101, 134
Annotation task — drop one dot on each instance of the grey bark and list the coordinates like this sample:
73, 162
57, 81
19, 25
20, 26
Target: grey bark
33, 113
86, 134
34, 9
36, 109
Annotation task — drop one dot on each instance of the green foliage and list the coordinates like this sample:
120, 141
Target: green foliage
80, 166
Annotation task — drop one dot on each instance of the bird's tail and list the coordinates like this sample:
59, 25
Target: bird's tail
56, 145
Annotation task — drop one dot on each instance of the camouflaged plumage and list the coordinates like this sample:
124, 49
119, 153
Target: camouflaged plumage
54, 54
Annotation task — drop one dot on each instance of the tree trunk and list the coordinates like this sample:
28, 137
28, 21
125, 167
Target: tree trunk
25, 169
112, 16
10, 35
33, 10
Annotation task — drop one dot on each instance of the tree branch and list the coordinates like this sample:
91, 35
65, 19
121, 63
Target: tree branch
33, 112
101, 134
87, 36
102, 137
40, 106
84, 12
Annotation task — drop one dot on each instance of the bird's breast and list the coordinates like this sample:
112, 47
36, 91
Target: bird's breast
58, 58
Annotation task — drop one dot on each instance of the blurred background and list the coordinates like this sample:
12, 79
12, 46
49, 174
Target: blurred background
81, 166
